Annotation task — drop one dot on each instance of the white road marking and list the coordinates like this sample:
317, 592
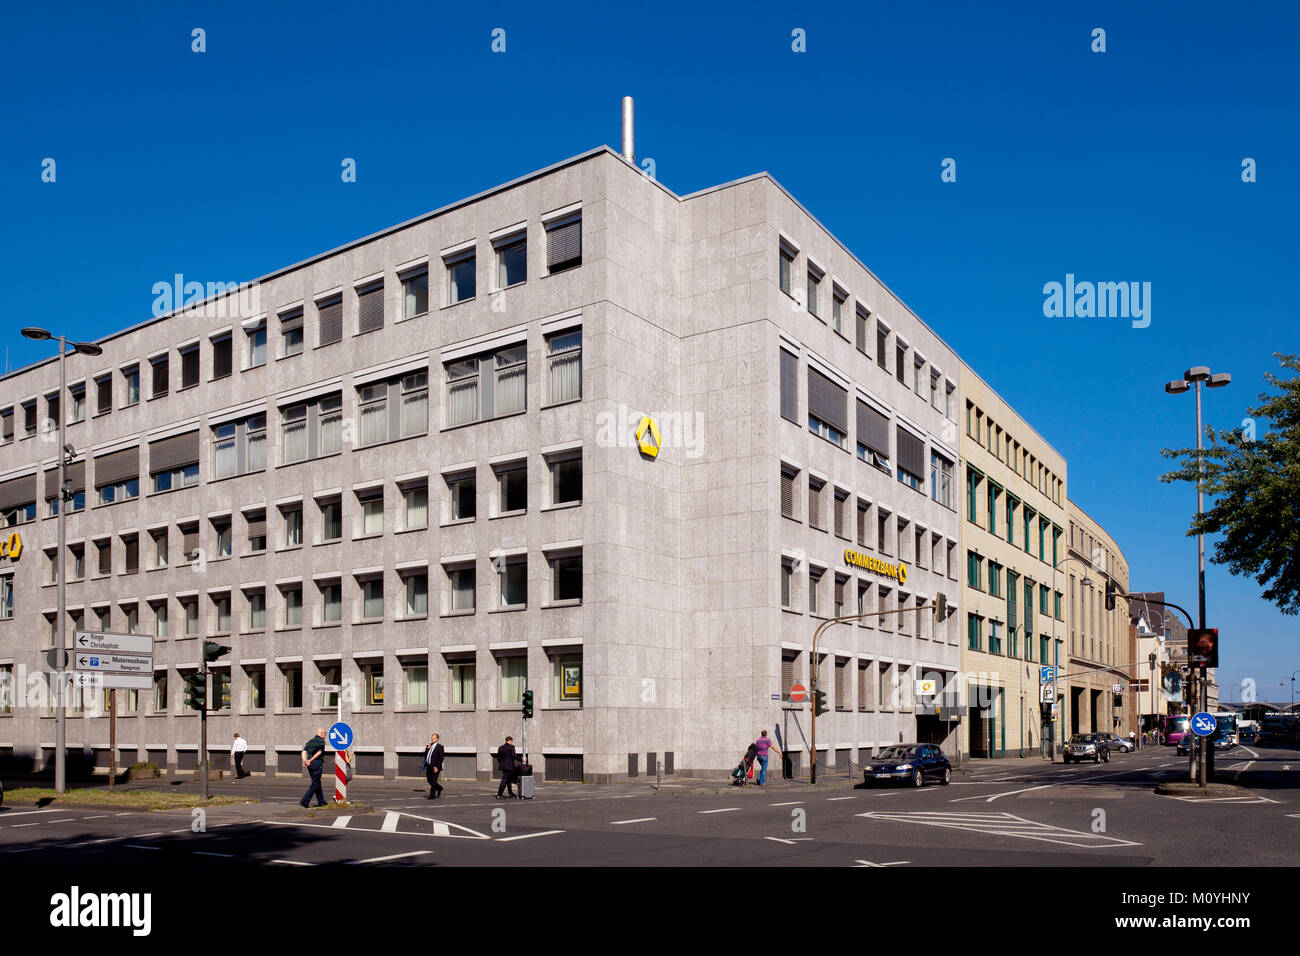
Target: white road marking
833, 799
293, 862
67, 820
862, 863
133, 846
1064, 780
384, 859
1243, 799
619, 823
340, 822
790, 841
443, 829
206, 853
528, 836
98, 816
17, 826
723, 810
1003, 824
390, 821
788, 804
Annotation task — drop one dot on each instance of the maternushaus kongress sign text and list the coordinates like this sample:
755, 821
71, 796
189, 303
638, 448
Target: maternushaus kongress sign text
865, 561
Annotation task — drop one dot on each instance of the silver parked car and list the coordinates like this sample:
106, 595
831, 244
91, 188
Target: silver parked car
1118, 743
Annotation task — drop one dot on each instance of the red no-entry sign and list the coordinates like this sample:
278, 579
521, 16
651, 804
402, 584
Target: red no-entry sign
798, 692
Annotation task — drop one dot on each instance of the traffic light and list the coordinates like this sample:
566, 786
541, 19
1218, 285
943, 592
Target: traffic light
528, 704
213, 650
1203, 647
1110, 595
196, 692
819, 702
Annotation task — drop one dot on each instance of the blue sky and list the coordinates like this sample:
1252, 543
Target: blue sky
1115, 166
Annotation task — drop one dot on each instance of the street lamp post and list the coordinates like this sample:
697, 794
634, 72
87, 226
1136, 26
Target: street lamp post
1193, 378
60, 726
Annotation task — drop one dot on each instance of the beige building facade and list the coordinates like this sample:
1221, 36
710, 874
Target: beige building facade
1013, 527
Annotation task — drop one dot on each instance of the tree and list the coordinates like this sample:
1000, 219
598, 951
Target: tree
1255, 483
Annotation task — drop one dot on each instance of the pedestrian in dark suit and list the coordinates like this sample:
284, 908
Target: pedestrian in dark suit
506, 763
313, 758
433, 766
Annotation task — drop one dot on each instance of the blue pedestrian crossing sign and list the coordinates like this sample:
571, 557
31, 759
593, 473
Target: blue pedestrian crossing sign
341, 736
1203, 724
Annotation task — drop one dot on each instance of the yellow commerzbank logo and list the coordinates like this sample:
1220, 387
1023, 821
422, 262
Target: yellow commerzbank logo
11, 547
648, 438
868, 563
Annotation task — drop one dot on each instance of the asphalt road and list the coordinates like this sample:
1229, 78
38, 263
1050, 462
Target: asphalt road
1033, 815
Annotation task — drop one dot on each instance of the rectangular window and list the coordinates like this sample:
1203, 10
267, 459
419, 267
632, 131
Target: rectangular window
372, 405
814, 287
417, 593
900, 365
463, 401
882, 345
460, 278
415, 502
514, 489
828, 409
256, 521
786, 270
256, 610
566, 480
509, 394
567, 679
514, 582
190, 366
6, 597
566, 578
514, 679
837, 311
462, 582
415, 294
76, 404
291, 333
160, 376
331, 520
372, 513
331, 602
292, 606
789, 386
462, 498
563, 244
416, 677
222, 356
787, 584
160, 692
292, 527
462, 684
512, 261
330, 319
564, 367
941, 479
370, 308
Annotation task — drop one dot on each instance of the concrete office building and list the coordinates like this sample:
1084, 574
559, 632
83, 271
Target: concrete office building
417, 466
1013, 549
1095, 681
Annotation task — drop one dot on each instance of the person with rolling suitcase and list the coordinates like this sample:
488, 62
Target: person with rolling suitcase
506, 764
524, 778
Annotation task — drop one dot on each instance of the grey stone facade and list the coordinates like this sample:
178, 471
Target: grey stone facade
680, 628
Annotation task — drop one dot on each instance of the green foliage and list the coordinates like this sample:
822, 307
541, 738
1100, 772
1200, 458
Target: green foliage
1254, 482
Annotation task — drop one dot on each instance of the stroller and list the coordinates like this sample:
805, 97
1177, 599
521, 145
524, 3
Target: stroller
740, 776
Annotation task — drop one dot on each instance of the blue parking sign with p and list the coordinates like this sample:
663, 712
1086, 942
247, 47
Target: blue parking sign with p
341, 736
1203, 724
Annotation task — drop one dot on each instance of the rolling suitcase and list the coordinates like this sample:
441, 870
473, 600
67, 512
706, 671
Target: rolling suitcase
525, 781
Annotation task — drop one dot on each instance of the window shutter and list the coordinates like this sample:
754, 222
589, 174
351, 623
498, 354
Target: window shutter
370, 307
787, 675
190, 368
828, 401
862, 333
841, 684
840, 526
862, 525
132, 554
117, 466
103, 399
291, 320
787, 494
190, 542
17, 491
105, 557
789, 386
564, 245
331, 322
911, 452
839, 589
257, 526
175, 452
863, 671
161, 373
815, 504
221, 357
29, 418
76, 475
873, 429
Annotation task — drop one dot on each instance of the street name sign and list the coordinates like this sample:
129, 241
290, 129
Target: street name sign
104, 659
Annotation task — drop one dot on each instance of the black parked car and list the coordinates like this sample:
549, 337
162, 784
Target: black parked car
1087, 747
911, 764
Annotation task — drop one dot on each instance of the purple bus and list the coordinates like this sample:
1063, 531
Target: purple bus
1174, 729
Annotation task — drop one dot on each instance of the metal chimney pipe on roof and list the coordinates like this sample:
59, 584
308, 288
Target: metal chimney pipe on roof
629, 150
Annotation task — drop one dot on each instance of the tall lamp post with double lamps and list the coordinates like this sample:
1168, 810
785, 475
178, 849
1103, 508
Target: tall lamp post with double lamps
61, 729
1192, 379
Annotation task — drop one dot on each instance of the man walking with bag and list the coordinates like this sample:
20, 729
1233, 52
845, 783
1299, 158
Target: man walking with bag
506, 764
313, 758
433, 758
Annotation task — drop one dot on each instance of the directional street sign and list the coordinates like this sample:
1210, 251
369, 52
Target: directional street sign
128, 681
115, 663
1203, 724
341, 736
112, 660
121, 643
1047, 674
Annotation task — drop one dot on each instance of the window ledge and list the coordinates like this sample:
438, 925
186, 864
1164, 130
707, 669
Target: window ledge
418, 315
452, 305
459, 709
567, 401
509, 514
368, 536
218, 558
327, 624
260, 552
565, 705
412, 617
509, 608
569, 602
463, 612
288, 547
281, 628
458, 521
562, 506
253, 632
424, 527
321, 544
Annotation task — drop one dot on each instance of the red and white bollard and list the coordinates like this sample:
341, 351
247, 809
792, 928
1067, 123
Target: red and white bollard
342, 770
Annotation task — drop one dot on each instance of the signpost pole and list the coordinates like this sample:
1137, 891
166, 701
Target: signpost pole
112, 740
